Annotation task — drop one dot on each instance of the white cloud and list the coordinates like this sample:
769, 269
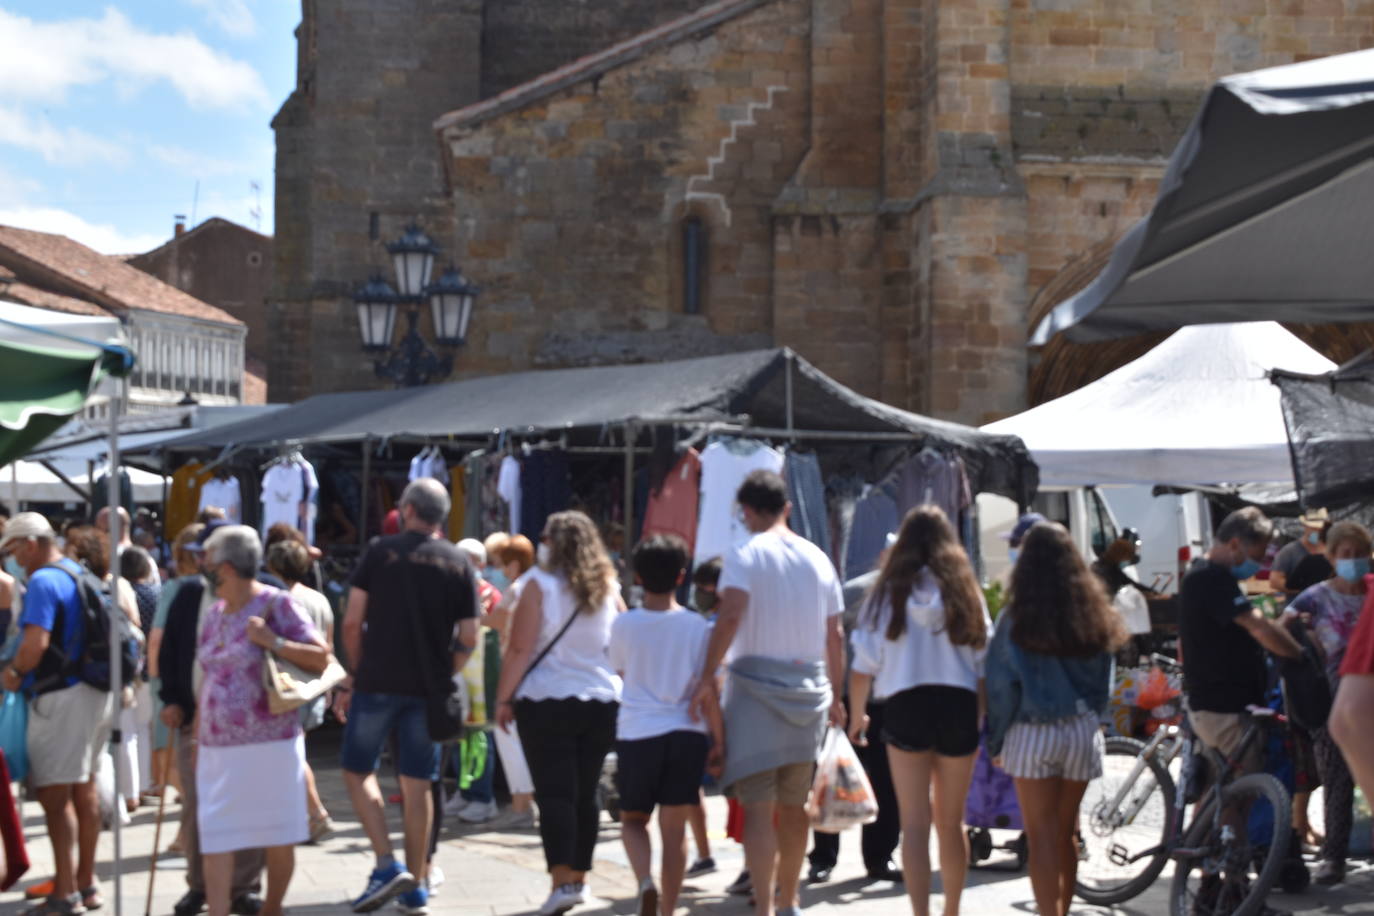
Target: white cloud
41, 61
233, 17
102, 237
194, 162
58, 145
15, 189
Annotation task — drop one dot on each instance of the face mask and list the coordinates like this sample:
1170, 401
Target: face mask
704, 601
496, 577
542, 554
1314, 538
1012, 554
14, 569
1245, 570
1352, 569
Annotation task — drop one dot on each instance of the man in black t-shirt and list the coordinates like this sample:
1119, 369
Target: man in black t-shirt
409, 580
1222, 637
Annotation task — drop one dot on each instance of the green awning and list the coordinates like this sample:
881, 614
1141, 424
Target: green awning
43, 387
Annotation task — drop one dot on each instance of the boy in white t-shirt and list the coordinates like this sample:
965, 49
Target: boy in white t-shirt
662, 752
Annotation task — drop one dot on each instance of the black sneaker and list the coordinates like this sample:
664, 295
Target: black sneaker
189, 905
741, 885
702, 866
249, 904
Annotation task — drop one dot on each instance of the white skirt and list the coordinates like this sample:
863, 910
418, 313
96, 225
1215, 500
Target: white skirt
251, 796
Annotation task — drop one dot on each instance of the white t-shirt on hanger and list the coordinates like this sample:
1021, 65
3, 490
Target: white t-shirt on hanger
723, 469
283, 488
223, 493
508, 485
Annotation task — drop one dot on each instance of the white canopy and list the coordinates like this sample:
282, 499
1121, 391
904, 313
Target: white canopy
31, 482
1197, 409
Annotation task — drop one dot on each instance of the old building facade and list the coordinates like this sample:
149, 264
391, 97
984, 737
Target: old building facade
884, 185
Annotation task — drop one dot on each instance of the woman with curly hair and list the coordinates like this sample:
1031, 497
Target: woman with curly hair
918, 647
1048, 673
557, 683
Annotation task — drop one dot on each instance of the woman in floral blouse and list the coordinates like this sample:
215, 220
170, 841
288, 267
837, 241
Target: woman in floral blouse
250, 764
1331, 609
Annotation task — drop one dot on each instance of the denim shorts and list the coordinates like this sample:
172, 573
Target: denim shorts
375, 717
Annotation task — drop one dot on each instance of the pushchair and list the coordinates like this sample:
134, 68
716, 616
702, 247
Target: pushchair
992, 806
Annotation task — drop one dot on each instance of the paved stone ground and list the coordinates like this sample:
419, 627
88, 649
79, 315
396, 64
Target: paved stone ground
503, 873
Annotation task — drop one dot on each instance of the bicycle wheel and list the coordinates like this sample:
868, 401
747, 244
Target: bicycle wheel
1123, 841
1215, 871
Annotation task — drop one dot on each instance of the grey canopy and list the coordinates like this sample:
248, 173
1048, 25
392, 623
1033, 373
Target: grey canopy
749, 389
1265, 213
1330, 421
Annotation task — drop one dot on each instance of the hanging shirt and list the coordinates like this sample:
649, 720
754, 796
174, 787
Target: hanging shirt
311, 483
183, 497
508, 486
283, 490
672, 508
875, 517
724, 465
223, 493
457, 513
429, 464
806, 492
929, 478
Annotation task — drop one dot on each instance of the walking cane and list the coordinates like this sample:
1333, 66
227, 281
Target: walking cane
157, 829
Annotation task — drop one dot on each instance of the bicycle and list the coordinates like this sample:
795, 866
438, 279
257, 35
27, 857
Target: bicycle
1213, 861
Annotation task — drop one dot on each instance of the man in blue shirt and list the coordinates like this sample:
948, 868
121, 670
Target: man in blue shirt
69, 720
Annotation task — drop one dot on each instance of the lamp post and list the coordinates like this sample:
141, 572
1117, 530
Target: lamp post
451, 298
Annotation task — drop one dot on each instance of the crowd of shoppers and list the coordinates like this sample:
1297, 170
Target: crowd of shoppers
742, 687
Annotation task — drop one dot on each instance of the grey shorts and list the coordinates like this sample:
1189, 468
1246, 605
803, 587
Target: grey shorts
68, 729
1069, 748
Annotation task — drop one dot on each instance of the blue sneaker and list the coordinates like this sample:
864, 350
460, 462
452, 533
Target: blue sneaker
415, 902
384, 884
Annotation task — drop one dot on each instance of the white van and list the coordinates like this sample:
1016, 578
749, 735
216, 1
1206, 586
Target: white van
1173, 529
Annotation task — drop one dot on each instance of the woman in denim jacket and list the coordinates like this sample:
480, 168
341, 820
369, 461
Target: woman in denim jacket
1048, 672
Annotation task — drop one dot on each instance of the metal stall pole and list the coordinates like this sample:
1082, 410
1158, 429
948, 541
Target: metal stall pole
116, 630
631, 434
787, 388
367, 485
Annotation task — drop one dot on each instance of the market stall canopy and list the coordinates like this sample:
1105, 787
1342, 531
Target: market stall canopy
1265, 213
49, 364
79, 440
1330, 419
749, 388
32, 482
1197, 409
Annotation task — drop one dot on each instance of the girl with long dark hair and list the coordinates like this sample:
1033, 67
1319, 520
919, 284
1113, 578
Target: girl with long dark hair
919, 646
1048, 673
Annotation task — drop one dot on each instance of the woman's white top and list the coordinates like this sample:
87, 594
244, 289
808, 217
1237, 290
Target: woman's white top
923, 655
578, 665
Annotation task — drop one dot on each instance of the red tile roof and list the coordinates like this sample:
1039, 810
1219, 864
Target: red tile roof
47, 260
17, 290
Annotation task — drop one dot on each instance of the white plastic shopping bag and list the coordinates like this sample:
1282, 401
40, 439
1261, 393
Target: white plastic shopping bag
841, 795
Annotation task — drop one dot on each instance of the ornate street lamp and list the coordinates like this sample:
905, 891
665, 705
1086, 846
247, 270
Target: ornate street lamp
450, 305
450, 300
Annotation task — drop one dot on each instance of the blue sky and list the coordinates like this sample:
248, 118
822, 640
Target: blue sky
110, 112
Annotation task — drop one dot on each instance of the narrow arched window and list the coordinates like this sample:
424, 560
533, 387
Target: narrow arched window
693, 264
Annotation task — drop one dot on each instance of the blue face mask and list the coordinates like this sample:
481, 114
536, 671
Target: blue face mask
1314, 538
14, 569
1012, 554
1246, 570
1352, 569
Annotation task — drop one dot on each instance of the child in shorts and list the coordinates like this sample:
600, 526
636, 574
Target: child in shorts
662, 751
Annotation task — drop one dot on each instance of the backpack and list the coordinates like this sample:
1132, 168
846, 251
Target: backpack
93, 665
1306, 691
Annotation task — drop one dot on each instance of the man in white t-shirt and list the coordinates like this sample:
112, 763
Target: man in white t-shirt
661, 750
779, 625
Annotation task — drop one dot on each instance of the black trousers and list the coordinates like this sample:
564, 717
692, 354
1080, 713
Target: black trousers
565, 743
880, 838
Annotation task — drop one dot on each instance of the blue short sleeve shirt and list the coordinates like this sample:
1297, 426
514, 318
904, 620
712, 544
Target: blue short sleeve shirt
49, 589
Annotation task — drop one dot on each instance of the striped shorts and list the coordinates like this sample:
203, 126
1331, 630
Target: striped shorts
1068, 748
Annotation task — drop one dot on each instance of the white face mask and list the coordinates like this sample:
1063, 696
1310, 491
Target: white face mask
542, 554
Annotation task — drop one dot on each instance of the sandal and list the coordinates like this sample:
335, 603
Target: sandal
55, 906
91, 899
320, 827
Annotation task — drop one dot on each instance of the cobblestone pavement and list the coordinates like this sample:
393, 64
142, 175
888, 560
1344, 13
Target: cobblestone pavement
503, 873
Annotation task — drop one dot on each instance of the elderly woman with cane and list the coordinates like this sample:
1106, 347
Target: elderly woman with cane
250, 766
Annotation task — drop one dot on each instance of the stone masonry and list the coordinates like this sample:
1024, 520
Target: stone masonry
882, 184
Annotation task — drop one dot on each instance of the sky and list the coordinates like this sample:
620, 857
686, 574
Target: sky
111, 114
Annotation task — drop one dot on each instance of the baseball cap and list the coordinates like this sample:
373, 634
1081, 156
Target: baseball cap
23, 526
215, 524
1023, 524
